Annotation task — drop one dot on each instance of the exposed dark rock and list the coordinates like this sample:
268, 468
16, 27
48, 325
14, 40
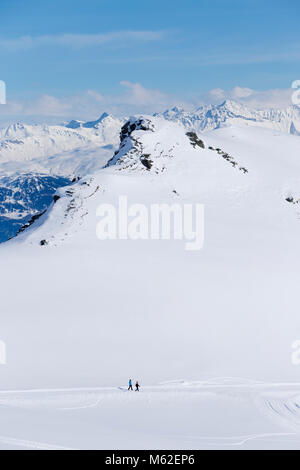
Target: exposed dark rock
33, 219
131, 126
56, 198
43, 242
195, 141
292, 200
229, 159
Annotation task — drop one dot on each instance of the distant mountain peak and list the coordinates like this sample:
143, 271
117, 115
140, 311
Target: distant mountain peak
231, 112
103, 116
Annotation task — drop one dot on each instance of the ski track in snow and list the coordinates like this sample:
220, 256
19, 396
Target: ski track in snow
30, 444
279, 402
84, 407
239, 440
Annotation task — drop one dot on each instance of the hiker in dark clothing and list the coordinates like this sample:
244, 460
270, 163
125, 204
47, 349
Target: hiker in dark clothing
137, 387
130, 385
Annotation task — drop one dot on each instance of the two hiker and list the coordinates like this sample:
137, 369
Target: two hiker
137, 386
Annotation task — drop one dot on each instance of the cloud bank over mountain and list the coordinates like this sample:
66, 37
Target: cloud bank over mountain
134, 98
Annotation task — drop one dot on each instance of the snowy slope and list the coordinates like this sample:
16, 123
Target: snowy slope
249, 222
81, 148
164, 155
231, 112
91, 313
215, 414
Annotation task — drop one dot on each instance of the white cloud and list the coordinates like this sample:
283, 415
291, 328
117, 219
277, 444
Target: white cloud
240, 93
136, 94
135, 99
276, 98
80, 40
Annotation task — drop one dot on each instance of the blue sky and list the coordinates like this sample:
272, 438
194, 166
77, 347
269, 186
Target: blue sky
181, 49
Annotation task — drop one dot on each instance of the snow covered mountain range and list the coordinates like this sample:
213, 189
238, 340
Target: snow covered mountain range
231, 112
25, 143
162, 148
77, 149
21, 143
